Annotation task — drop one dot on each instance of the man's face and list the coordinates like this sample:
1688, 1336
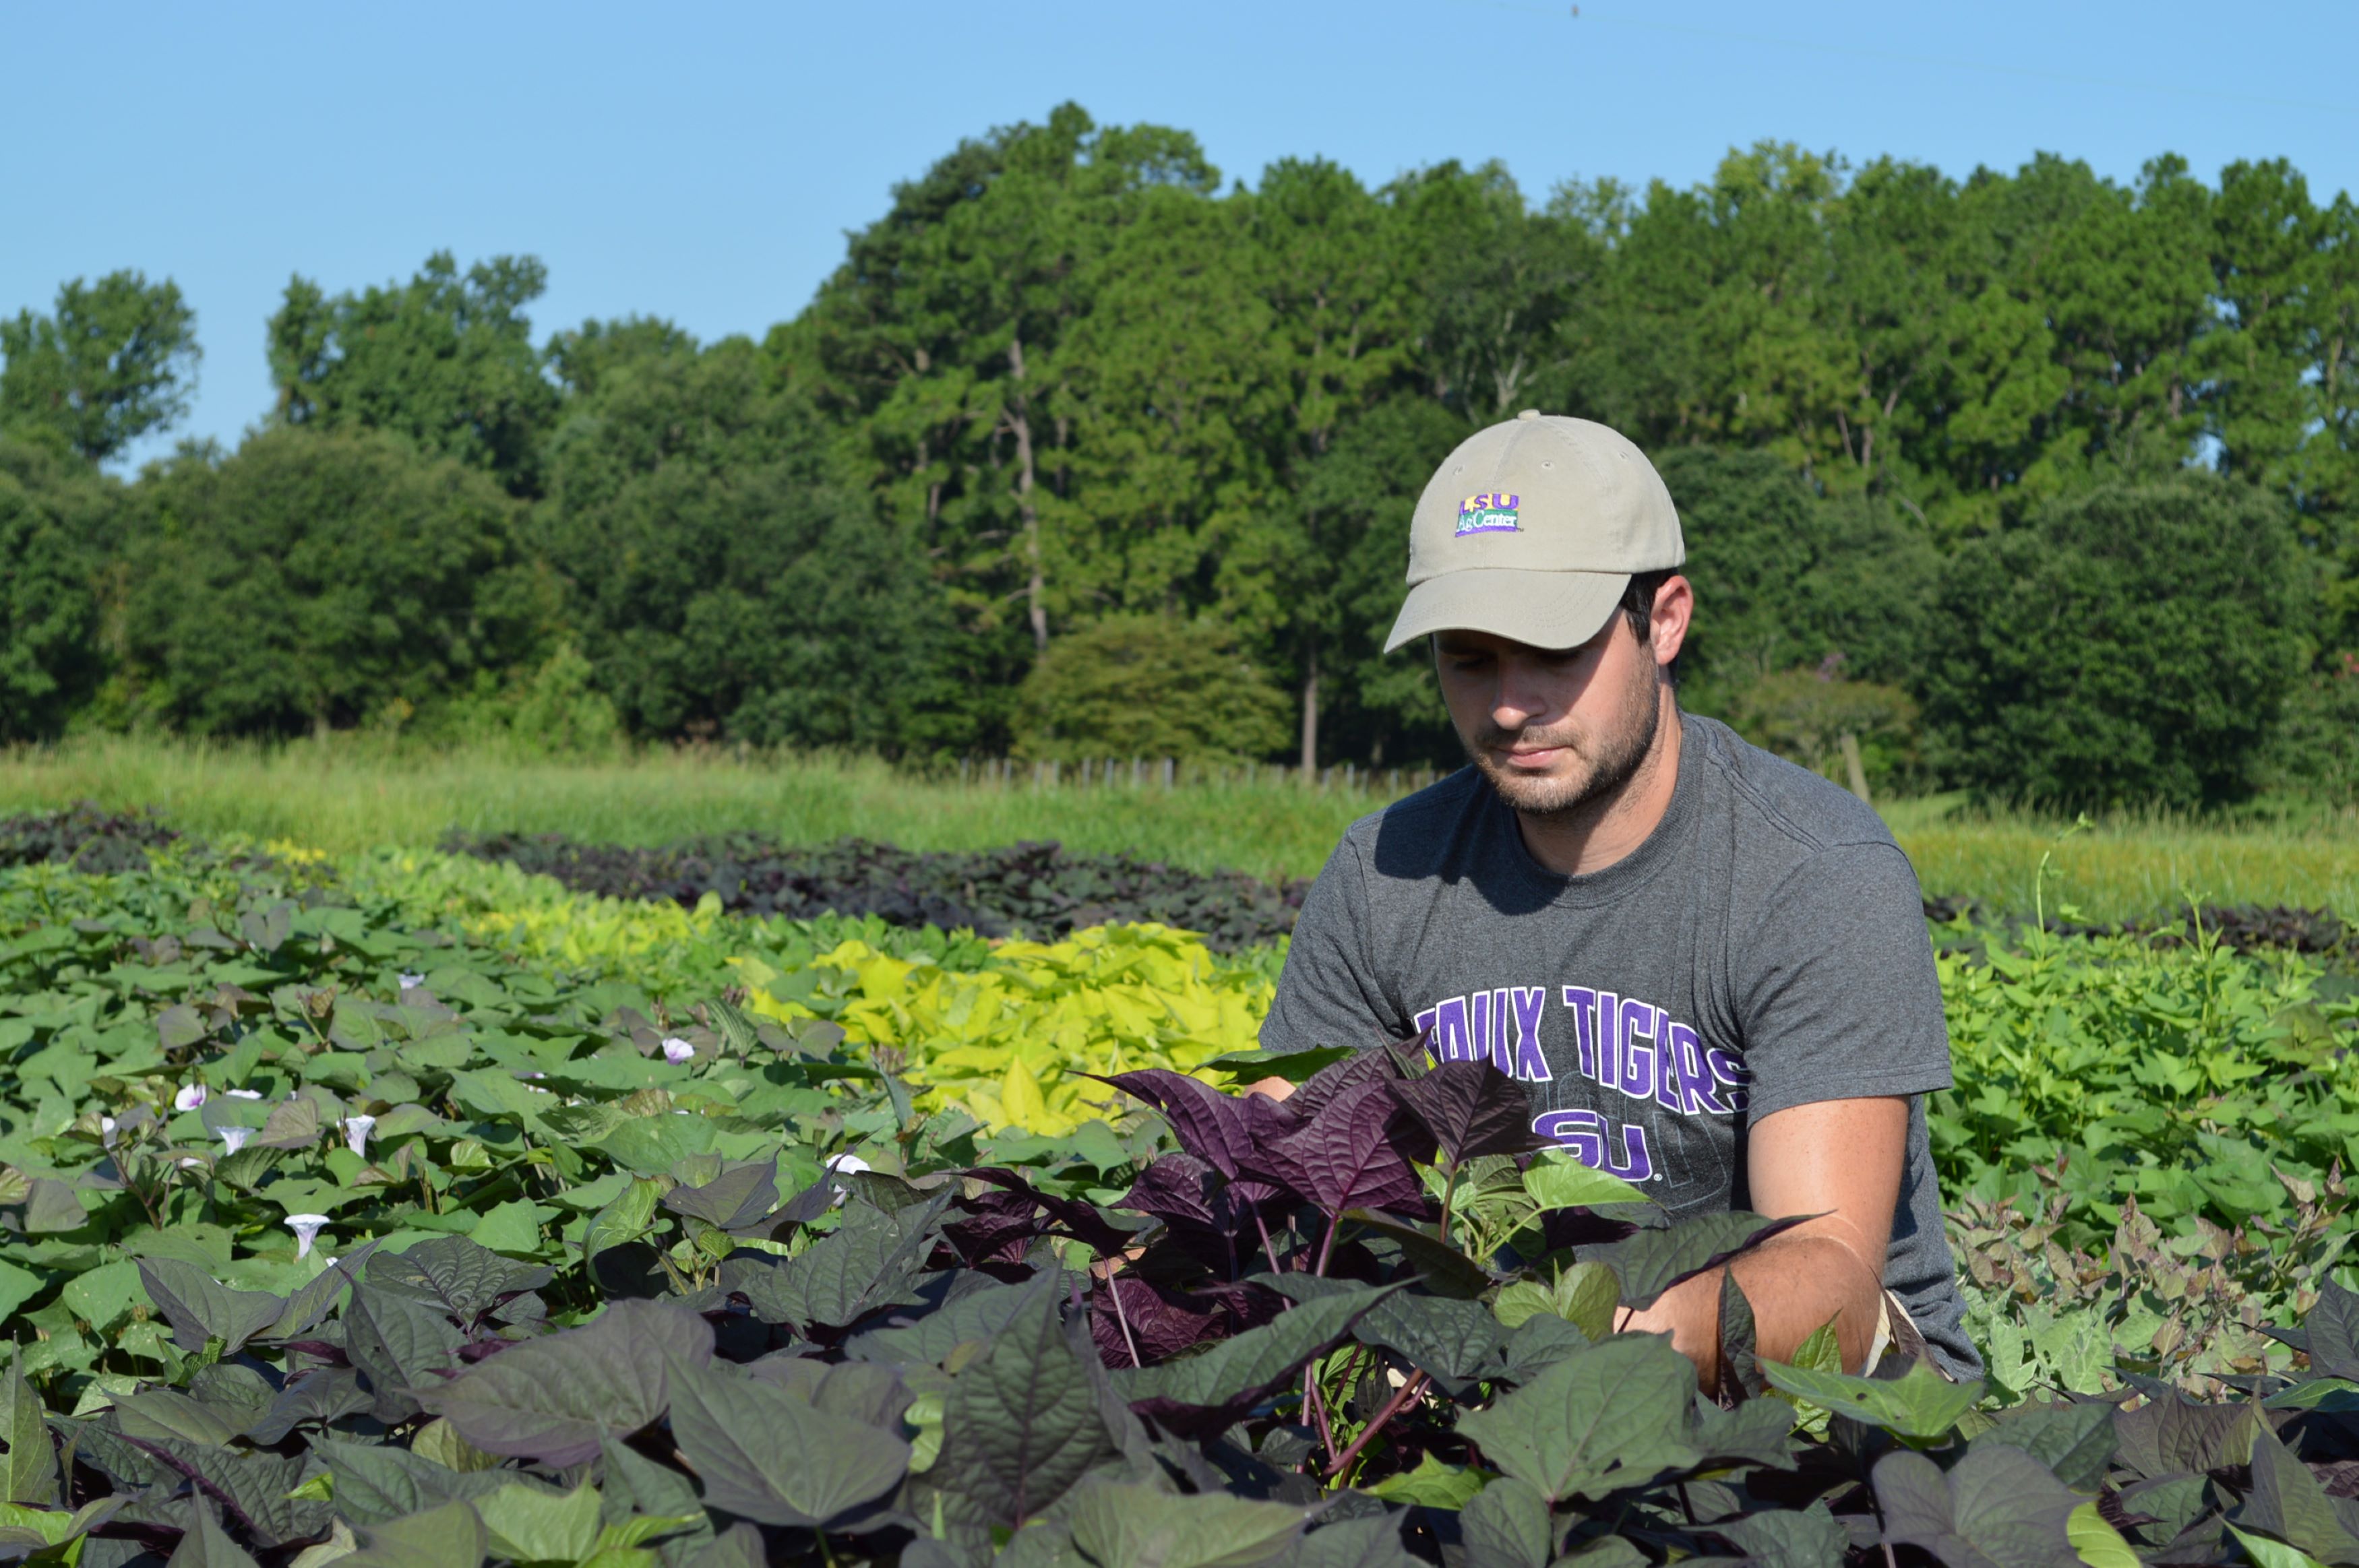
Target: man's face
1554, 729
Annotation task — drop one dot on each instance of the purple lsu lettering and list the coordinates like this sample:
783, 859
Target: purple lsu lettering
1626, 1044
1640, 1050
1588, 1137
1475, 1029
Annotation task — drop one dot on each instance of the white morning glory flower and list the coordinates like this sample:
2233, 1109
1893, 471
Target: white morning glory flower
106, 1131
676, 1050
846, 1165
191, 1162
306, 1227
190, 1097
411, 982
357, 1133
243, 1094
235, 1137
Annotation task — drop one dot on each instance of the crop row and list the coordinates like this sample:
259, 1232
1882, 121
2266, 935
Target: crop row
669, 1235
1037, 889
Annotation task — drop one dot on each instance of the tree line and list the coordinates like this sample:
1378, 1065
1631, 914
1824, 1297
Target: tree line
2031, 483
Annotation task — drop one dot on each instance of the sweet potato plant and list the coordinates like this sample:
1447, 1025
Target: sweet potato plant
328, 1238
1367, 1325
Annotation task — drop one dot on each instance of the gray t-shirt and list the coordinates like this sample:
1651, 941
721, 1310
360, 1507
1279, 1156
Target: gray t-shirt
1764, 947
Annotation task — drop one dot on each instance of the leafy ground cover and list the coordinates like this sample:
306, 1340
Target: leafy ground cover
664, 1233
355, 794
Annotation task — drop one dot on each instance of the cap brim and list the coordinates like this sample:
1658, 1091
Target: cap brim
1541, 609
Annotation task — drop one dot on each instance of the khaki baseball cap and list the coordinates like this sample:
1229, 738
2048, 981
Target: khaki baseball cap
1531, 531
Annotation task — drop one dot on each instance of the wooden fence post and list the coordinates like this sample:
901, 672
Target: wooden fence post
1851, 765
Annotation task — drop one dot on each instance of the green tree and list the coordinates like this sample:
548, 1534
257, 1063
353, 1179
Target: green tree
724, 579
1148, 686
55, 516
1494, 283
2282, 401
312, 580
1336, 286
939, 343
1384, 706
2135, 643
116, 360
1787, 578
445, 361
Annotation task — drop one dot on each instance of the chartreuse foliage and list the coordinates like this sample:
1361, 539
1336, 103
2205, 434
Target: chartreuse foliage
1005, 1041
998, 1031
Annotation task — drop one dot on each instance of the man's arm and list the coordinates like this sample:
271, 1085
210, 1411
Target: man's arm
1840, 1159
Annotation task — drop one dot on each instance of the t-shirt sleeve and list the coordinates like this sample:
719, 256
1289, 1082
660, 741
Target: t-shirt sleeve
1838, 995
1328, 993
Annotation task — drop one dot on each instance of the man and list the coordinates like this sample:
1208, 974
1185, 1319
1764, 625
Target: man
1711, 966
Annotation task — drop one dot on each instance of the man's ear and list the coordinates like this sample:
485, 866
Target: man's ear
1668, 626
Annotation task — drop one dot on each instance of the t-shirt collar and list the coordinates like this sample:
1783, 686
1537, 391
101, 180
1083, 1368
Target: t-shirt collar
1634, 870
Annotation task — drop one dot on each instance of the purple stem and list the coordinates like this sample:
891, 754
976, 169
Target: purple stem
1316, 1406
1267, 1250
1406, 1391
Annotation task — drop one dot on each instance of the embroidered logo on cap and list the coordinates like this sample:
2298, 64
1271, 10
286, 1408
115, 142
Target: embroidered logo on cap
1492, 512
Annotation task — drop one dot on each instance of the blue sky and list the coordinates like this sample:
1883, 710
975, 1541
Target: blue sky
703, 162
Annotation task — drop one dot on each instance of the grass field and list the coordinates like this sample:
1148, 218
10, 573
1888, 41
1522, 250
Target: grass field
347, 795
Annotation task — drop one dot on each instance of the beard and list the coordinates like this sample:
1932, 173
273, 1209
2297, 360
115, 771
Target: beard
1606, 757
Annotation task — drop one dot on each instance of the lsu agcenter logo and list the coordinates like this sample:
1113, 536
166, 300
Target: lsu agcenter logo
1492, 512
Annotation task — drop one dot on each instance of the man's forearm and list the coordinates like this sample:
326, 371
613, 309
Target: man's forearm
1795, 1283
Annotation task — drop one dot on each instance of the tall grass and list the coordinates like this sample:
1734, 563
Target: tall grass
348, 795
353, 794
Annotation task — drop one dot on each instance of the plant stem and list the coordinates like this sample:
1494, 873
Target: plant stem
1318, 1407
1267, 1250
1114, 1289
1406, 1392
1449, 1194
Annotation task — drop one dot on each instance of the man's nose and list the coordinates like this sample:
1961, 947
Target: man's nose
1523, 697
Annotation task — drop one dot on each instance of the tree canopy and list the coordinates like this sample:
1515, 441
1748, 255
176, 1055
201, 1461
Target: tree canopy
115, 360
1073, 379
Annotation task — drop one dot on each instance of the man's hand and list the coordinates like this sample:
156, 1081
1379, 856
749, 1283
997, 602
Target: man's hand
1840, 1159
1275, 1088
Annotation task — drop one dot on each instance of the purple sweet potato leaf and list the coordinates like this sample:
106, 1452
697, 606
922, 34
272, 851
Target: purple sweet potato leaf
555, 1398
995, 1226
1162, 1323
1177, 1189
1372, 1065
1209, 1124
1472, 1108
1579, 1226
1064, 1217
1202, 1394
1356, 1153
